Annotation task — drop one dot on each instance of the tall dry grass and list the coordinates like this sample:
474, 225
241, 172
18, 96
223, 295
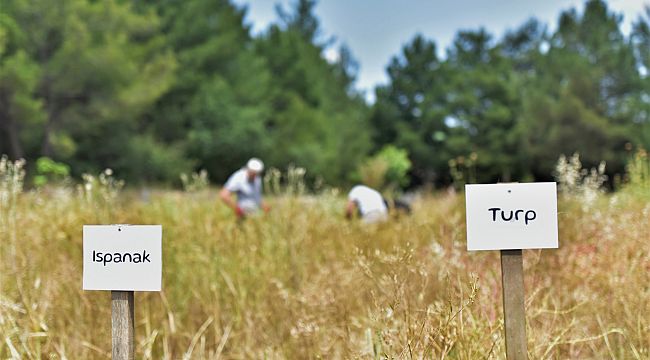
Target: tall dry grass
302, 282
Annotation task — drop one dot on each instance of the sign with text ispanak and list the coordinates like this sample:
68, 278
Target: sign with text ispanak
122, 257
511, 216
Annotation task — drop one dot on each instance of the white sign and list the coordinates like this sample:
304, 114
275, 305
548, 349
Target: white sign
122, 257
511, 216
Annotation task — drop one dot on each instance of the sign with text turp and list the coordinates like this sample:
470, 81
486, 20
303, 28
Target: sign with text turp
511, 216
122, 257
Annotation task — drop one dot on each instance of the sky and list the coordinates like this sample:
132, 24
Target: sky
376, 30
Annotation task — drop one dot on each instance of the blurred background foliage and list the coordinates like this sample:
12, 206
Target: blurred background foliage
153, 89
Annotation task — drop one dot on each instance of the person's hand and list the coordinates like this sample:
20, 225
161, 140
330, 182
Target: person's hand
239, 212
266, 208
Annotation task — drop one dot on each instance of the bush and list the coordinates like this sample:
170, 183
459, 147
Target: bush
49, 171
153, 161
386, 169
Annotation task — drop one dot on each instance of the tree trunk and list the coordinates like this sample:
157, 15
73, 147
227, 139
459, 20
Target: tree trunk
14, 141
10, 127
46, 146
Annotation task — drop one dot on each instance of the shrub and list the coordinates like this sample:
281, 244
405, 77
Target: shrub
48, 171
386, 169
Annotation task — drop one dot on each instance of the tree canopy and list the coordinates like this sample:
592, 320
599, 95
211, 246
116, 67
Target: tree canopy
155, 88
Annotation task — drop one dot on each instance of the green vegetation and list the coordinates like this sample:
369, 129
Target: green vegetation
153, 89
48, 171
386, 170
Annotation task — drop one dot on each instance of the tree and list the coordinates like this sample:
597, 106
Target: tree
20, 107
484, 101
516, 105
83, 72
317, 121
410, 111
218, 107
580, 102
640, 39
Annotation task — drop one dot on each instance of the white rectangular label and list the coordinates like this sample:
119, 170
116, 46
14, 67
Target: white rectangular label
122, 257
511, 216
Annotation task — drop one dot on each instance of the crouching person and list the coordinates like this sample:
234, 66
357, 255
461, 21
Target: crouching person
368, 203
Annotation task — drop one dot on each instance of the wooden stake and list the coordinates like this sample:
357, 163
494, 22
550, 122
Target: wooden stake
122, 324
512, 276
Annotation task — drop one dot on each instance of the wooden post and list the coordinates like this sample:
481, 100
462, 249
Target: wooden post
122, 324
512, 276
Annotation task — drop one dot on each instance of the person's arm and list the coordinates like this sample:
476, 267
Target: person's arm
228, 199
349, 209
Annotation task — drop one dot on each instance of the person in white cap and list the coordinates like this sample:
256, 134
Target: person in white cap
246, 184
368, 202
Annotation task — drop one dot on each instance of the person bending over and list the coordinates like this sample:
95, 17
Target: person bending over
368, 203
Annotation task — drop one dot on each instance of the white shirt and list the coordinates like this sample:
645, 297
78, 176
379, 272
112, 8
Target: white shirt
368, 200
249, 193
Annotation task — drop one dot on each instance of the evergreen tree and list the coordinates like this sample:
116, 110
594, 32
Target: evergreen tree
484, 102
580, 102
316, 121
77, 75
410, 111
218, 106
640, 106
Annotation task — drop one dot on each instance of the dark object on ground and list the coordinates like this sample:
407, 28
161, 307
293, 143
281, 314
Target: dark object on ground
398, 205
402, 205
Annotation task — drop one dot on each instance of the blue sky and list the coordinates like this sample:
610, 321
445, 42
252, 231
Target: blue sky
375, 30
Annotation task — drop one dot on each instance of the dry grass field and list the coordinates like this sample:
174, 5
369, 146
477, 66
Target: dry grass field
304, 283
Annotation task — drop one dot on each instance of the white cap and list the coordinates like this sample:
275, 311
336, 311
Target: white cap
255, 165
